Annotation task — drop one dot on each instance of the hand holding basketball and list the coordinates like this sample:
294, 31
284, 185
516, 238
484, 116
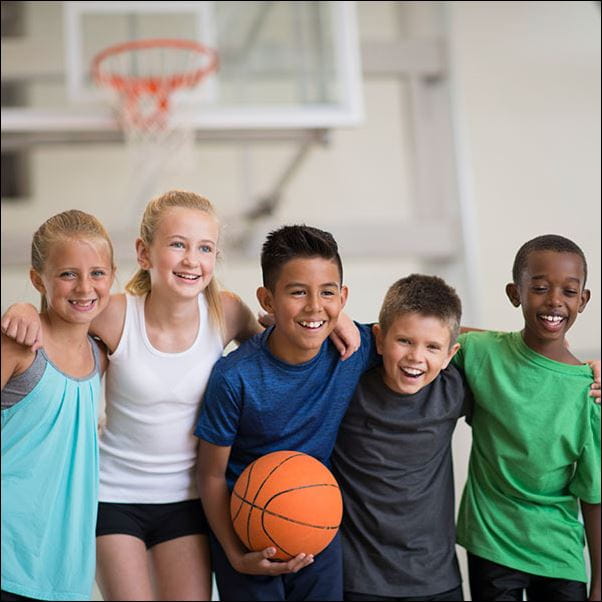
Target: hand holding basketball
288, 501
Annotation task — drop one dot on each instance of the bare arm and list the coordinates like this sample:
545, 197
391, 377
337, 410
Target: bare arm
14, 359
240, 322
21, 322
591, 520
212, 463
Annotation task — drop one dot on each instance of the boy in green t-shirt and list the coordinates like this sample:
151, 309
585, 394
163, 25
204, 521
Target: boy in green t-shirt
536, 440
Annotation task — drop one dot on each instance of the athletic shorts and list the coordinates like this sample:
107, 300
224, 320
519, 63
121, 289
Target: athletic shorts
152, 523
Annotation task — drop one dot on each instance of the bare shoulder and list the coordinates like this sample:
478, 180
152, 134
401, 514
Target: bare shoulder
16, 359
108, 325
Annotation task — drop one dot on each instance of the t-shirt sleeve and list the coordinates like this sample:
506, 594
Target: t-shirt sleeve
586, 480
220, 410
370, 357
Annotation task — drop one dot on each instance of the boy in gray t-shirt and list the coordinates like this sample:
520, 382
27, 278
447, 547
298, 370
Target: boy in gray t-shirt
393, 453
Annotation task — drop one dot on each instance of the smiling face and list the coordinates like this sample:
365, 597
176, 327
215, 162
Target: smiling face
551, 293
306, 302
415, 349
76, 279
181, 258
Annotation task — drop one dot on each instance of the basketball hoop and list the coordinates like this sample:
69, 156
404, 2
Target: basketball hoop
145, 78
145, 74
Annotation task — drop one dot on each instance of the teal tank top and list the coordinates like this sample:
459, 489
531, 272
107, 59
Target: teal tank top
50, 487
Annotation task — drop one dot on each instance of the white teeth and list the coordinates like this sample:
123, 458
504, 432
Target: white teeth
311, 324
187, 276
413, 371
82, 303
553, 319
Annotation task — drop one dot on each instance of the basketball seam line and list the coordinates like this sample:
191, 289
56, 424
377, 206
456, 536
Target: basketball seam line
292, 520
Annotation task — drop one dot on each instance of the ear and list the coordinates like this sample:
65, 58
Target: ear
452, 352
266, 299
142, 254
513, 294
378, 337
585, 297
37, 281
344, 295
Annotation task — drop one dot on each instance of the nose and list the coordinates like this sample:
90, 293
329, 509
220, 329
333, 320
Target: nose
191, 257
312, 302
415, 354
554, 297
83, 285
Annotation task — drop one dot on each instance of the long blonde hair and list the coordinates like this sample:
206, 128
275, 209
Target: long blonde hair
70, 224
140, 282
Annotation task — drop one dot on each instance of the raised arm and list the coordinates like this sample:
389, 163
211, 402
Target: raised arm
211, 467
591, 521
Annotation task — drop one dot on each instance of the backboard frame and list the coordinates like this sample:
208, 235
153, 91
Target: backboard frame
94, 114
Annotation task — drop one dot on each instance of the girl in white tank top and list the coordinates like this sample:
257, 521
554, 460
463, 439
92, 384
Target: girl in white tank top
154, 402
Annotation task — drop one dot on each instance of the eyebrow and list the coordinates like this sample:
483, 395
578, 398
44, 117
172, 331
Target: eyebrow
543, 277
324, 285
186, 238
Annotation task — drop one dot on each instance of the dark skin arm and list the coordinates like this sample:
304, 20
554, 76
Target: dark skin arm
591, 520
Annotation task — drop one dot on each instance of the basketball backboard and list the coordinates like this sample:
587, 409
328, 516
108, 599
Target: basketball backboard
282, 64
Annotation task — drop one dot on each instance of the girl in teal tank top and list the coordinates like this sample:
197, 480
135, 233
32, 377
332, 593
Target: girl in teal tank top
49, 418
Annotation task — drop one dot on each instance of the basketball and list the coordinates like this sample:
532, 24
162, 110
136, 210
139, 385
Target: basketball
286, 500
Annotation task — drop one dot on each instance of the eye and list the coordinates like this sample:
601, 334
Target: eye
539, 289
328, 293
571, 292
177, 244
433, 347
206, 248
297, 293
403, 341
98, 273
68, 275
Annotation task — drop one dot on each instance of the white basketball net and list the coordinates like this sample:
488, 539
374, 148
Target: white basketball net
149, 80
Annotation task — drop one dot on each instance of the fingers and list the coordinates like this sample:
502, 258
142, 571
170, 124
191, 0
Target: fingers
266, 566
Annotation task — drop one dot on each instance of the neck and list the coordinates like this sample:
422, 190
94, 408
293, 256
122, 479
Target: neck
169, 311
282, 349
556, 350
68, 335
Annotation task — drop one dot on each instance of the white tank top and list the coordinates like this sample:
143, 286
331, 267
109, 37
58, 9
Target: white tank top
147, 448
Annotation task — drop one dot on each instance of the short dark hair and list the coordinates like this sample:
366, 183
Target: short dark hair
425, 295
292, 242
546, 242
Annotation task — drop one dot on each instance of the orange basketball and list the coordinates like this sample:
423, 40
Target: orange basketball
286, 500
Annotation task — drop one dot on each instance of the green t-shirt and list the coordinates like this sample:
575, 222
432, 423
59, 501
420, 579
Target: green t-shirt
535, 453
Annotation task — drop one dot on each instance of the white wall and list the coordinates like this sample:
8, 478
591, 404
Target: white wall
526, 93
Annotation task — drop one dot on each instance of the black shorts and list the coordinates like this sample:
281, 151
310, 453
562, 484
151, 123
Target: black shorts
492, 581
152, 523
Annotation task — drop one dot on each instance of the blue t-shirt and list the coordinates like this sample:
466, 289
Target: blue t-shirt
257, 404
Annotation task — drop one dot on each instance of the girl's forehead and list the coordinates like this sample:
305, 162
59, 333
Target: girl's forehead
187, 219
78, 246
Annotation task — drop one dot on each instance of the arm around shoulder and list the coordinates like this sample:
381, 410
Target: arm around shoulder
15, 359
108, 325
239, 321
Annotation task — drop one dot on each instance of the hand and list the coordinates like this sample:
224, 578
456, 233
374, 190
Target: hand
594, 390
266, 320
259, 563
24, 329
346, 336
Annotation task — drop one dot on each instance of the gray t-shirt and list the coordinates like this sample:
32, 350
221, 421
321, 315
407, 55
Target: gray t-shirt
393, 462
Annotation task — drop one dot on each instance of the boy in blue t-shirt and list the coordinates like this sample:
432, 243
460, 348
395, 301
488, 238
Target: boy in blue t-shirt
285, 388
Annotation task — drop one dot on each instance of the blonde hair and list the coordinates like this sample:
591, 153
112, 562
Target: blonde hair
140, 283
70, 224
